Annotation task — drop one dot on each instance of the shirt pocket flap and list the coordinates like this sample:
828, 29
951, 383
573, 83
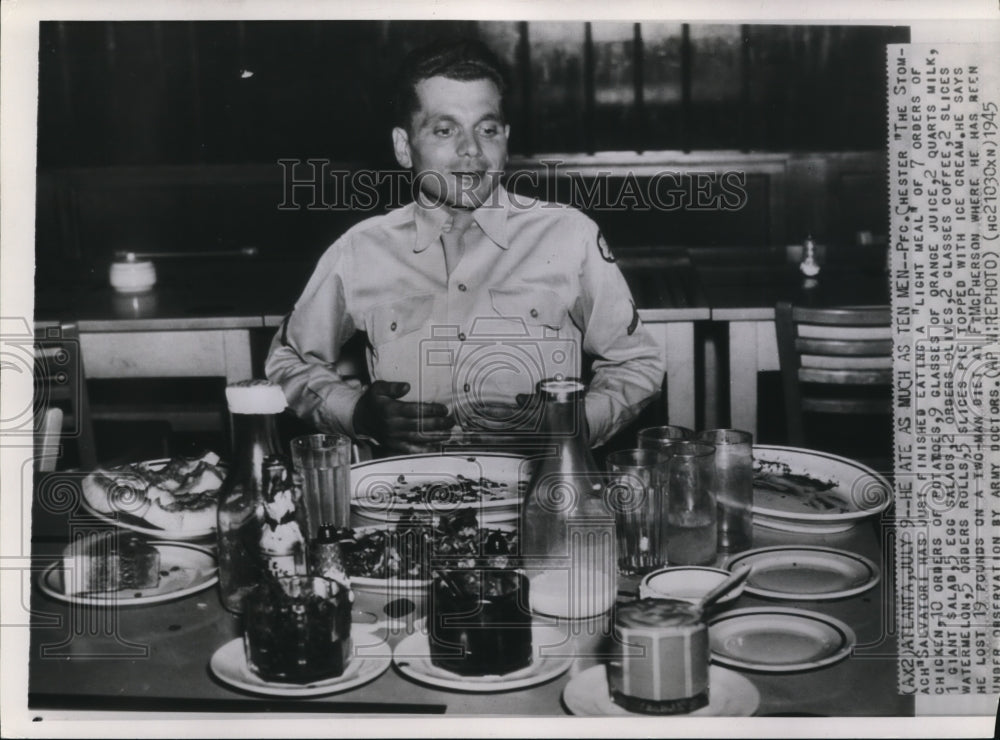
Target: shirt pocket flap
391, 321
536, 306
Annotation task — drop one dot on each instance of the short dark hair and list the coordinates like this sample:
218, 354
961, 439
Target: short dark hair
456, 59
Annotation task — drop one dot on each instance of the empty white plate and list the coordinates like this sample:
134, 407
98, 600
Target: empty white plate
806, 573
776, 640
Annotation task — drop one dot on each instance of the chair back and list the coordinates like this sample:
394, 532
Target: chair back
62, 404
833, 361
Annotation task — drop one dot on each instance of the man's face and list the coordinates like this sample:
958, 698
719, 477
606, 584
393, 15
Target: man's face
457, 141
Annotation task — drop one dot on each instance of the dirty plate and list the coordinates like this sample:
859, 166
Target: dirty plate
806, 573
430, 486
798, 490
184, 569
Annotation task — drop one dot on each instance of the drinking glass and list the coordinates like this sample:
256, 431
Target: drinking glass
733, 485
636, 505
323, 469
297, 629
655, 438
684, 478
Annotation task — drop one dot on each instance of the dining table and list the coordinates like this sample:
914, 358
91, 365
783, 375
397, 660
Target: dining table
155, 657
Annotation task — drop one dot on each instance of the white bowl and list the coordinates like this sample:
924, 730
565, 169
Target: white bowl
396, 600
391, 599
686, 582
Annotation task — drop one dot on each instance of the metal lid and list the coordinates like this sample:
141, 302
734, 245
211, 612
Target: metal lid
655, 613
562, 389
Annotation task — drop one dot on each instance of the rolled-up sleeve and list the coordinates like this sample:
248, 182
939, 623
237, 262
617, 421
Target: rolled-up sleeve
628, 366
305, 350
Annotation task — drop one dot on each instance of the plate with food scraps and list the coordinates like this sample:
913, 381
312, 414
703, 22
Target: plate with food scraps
429, 486
184, 569
778, 640
729, 695
806, 573
798, 490
552, 656
390, 565
167, 498
371, 657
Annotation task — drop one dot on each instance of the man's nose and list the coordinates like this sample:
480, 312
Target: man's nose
468, 145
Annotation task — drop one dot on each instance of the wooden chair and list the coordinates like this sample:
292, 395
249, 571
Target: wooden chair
834, 361
62, 405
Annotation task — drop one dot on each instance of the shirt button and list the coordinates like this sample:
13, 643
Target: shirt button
392, 326
461, 287
461, 336
534, 313
467, 388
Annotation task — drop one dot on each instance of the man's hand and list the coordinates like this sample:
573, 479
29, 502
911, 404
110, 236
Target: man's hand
402, 426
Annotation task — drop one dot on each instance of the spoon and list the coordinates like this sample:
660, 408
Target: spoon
450, 584
734, 580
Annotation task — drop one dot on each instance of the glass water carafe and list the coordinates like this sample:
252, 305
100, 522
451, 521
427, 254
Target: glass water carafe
567, 531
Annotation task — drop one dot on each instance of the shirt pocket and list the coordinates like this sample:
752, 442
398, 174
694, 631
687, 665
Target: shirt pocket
536, 307
391, 321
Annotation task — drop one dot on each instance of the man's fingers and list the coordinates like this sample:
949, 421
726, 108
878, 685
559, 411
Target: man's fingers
408, 410
390, 388
420, 423
416, 443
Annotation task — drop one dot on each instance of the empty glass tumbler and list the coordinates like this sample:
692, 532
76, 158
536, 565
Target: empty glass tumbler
323, 467
656, 438
684, 477
733, 484
638, 511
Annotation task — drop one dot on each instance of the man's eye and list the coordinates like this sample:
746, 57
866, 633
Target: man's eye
443, 131
489, 130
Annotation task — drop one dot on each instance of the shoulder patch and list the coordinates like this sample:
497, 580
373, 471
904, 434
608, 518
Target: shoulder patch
634, 324
603, 248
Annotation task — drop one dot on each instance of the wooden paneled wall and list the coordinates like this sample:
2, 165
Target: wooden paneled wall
173, 93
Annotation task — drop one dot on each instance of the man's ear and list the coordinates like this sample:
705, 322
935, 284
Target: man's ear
401, 146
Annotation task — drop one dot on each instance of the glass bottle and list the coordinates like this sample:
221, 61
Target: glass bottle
567, 532
282, 520
253, 406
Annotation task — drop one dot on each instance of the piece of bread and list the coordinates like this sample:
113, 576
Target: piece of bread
102, 563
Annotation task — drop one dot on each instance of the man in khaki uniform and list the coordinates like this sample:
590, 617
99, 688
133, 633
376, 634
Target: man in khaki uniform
469, 295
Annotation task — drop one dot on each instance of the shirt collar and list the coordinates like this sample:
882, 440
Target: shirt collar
432, 221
